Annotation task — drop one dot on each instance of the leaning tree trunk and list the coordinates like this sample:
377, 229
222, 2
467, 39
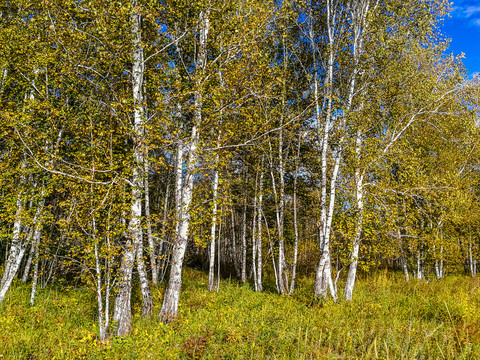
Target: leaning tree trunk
28, 265
169, 309
15, 256
17, 244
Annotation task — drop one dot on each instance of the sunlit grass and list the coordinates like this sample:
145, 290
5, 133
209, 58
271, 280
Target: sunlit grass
388, 319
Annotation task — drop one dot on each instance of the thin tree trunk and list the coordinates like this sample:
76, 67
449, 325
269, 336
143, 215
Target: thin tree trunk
259, 285
35, 272
279, 212
18, 247
419, 265
219, 254
147, 302
234, 257
254, 234
282, 265
403, 257
271, 252
21, 246
471, 259
4, 80
211, 273
98, 271
28, 265
295, 220
151, 242
17, 243
244, 242
164, 247
352, 270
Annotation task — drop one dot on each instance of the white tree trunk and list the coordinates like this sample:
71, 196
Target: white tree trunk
438, 263
169, 309
234, 255
98, 272
352, 270
323, 272
35, 271
405, 268
244, 242
211, 273
15, 263
122, 309
359, 22
419, 265
163, 246
4, 80
280, 219
295, 220
471, 260
147, 302
258, 284
28, 265
151, 242
17, 244
18, 247
254, 234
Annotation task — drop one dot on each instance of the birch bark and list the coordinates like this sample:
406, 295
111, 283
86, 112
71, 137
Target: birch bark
169, 309
19, 245
211, 273
323, 271
122, 308
352, 270
244, 242
258, 284
151, 242
295, 220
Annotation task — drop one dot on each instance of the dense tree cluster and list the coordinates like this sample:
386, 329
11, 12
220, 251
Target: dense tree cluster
252, 138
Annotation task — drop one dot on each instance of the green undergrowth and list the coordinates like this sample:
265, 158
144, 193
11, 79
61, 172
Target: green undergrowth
388, 319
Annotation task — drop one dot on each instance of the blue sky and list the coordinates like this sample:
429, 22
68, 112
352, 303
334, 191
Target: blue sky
463, 28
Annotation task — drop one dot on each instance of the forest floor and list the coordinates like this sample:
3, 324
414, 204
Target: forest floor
388, 319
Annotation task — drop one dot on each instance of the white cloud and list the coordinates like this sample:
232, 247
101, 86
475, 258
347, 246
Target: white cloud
470, 11
467, 10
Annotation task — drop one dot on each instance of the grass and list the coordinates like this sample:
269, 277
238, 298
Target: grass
388, 319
